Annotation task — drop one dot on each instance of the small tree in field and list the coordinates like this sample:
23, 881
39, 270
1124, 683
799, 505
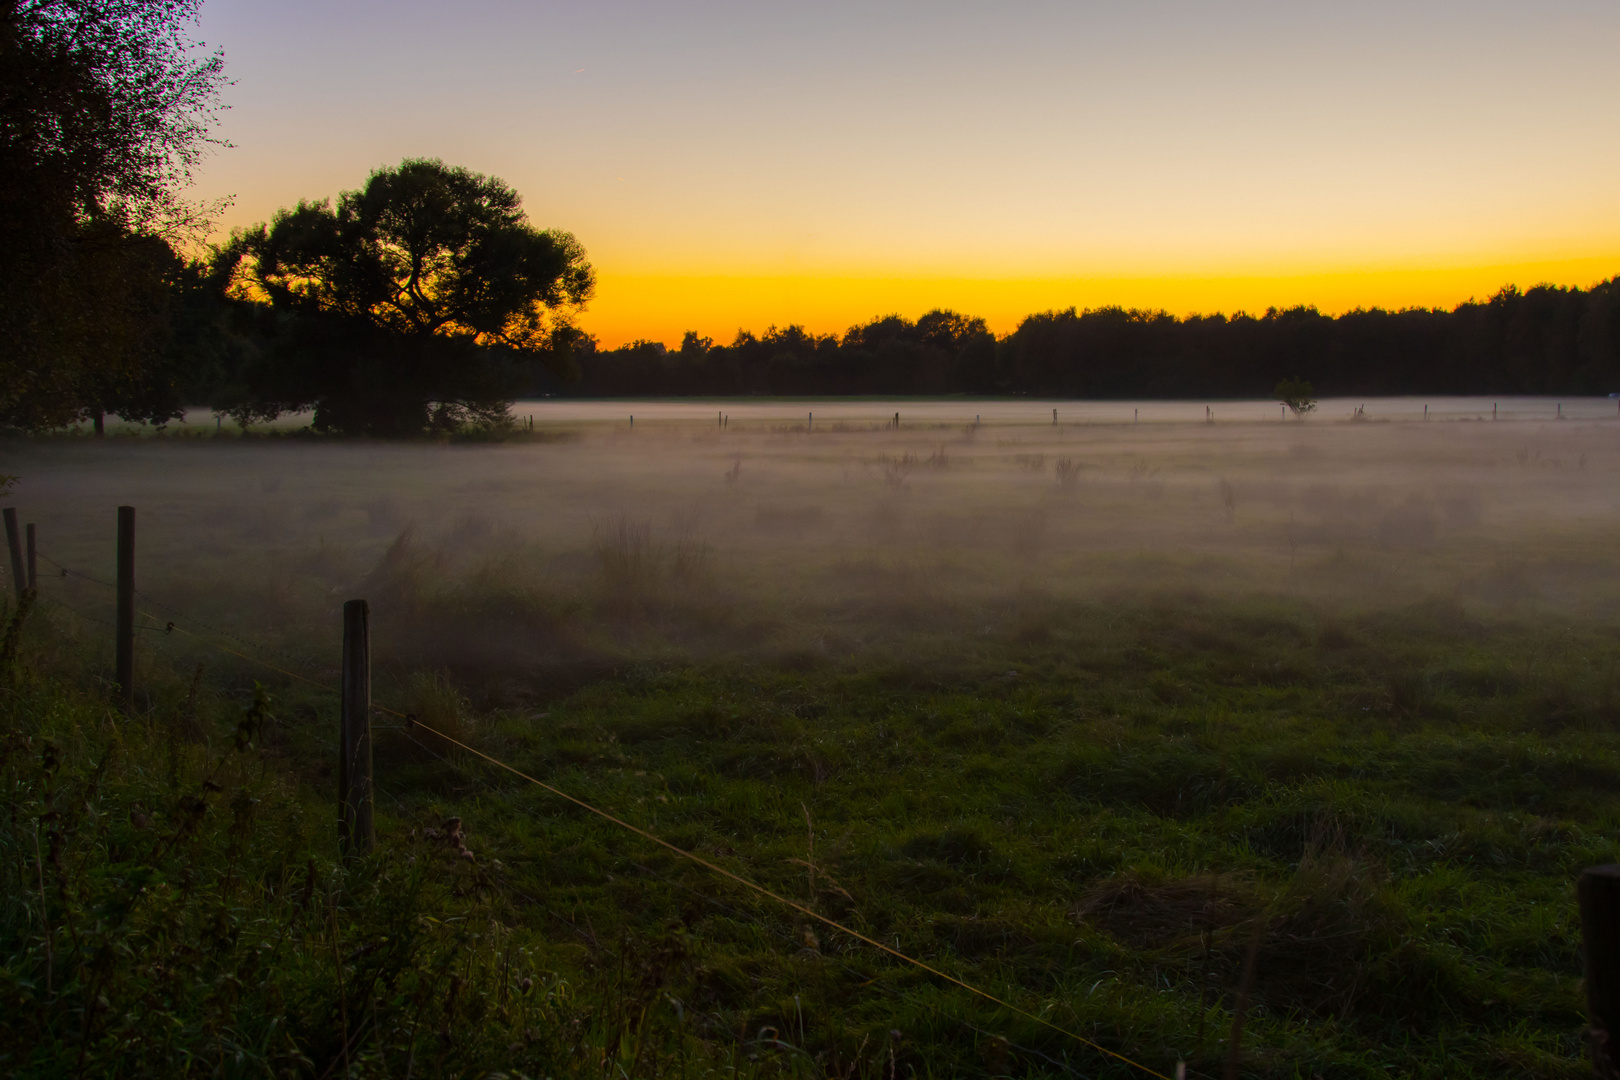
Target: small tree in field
1296, 394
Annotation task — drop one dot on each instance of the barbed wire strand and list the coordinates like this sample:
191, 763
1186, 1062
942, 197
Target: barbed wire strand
174, 611
244, 642
91, 618
254, 659
68, 572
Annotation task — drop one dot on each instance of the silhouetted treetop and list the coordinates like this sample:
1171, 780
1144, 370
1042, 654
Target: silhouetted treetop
416, 303
424, 249
1543, 340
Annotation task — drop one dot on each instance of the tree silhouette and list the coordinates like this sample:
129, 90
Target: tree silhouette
105, 109
416, 303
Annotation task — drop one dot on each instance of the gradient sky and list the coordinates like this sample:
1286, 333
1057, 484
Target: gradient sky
734, 164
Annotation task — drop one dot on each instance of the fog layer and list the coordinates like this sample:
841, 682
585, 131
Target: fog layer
787, 532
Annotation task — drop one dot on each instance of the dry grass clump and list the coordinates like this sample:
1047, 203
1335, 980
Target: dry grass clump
892, 470
401, 577
495, 621
689, 557
1151, 912
627, 564
637, 575
432, 700
1322, 939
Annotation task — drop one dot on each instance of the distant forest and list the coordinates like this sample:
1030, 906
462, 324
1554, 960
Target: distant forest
1547, 340
425, 301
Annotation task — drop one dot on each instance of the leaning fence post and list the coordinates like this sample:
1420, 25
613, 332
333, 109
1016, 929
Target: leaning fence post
356, 830
1598, 892
33, 579
125, 617
14, 542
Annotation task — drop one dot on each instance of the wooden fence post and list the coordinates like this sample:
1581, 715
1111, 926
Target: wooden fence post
125, 616
33, 578
1599, 895
14, 542
357, 833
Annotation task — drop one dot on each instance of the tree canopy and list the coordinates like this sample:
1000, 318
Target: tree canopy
416, 302
105, 109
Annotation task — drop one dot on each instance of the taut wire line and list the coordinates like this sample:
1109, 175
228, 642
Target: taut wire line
412, 721
245, 656
794, 904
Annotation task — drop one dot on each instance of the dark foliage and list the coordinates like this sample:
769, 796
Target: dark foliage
942, 352
417, 303
1544, 341
104, 111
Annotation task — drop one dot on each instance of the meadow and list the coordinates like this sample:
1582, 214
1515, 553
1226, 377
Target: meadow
1269, 746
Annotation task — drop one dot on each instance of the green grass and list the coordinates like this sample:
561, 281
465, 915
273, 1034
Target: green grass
1342, 700
1095, 812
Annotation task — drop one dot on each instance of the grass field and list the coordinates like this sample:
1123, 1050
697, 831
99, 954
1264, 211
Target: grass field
1312, 725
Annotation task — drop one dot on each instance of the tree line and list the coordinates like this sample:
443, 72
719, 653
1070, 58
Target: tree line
1545, 340
426, 301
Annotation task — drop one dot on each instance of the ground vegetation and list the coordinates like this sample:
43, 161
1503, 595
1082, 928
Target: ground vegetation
1282, 742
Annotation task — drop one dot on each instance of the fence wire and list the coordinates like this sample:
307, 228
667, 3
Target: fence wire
175, 613
411, 722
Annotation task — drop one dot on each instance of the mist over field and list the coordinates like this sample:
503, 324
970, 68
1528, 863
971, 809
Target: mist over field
441, 638
817, 531
1165, 717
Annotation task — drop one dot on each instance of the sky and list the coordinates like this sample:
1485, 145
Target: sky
736, 165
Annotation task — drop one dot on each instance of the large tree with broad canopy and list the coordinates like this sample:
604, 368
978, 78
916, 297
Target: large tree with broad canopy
417, 303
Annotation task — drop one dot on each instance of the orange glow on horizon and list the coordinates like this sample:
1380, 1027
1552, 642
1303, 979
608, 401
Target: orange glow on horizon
662, 306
